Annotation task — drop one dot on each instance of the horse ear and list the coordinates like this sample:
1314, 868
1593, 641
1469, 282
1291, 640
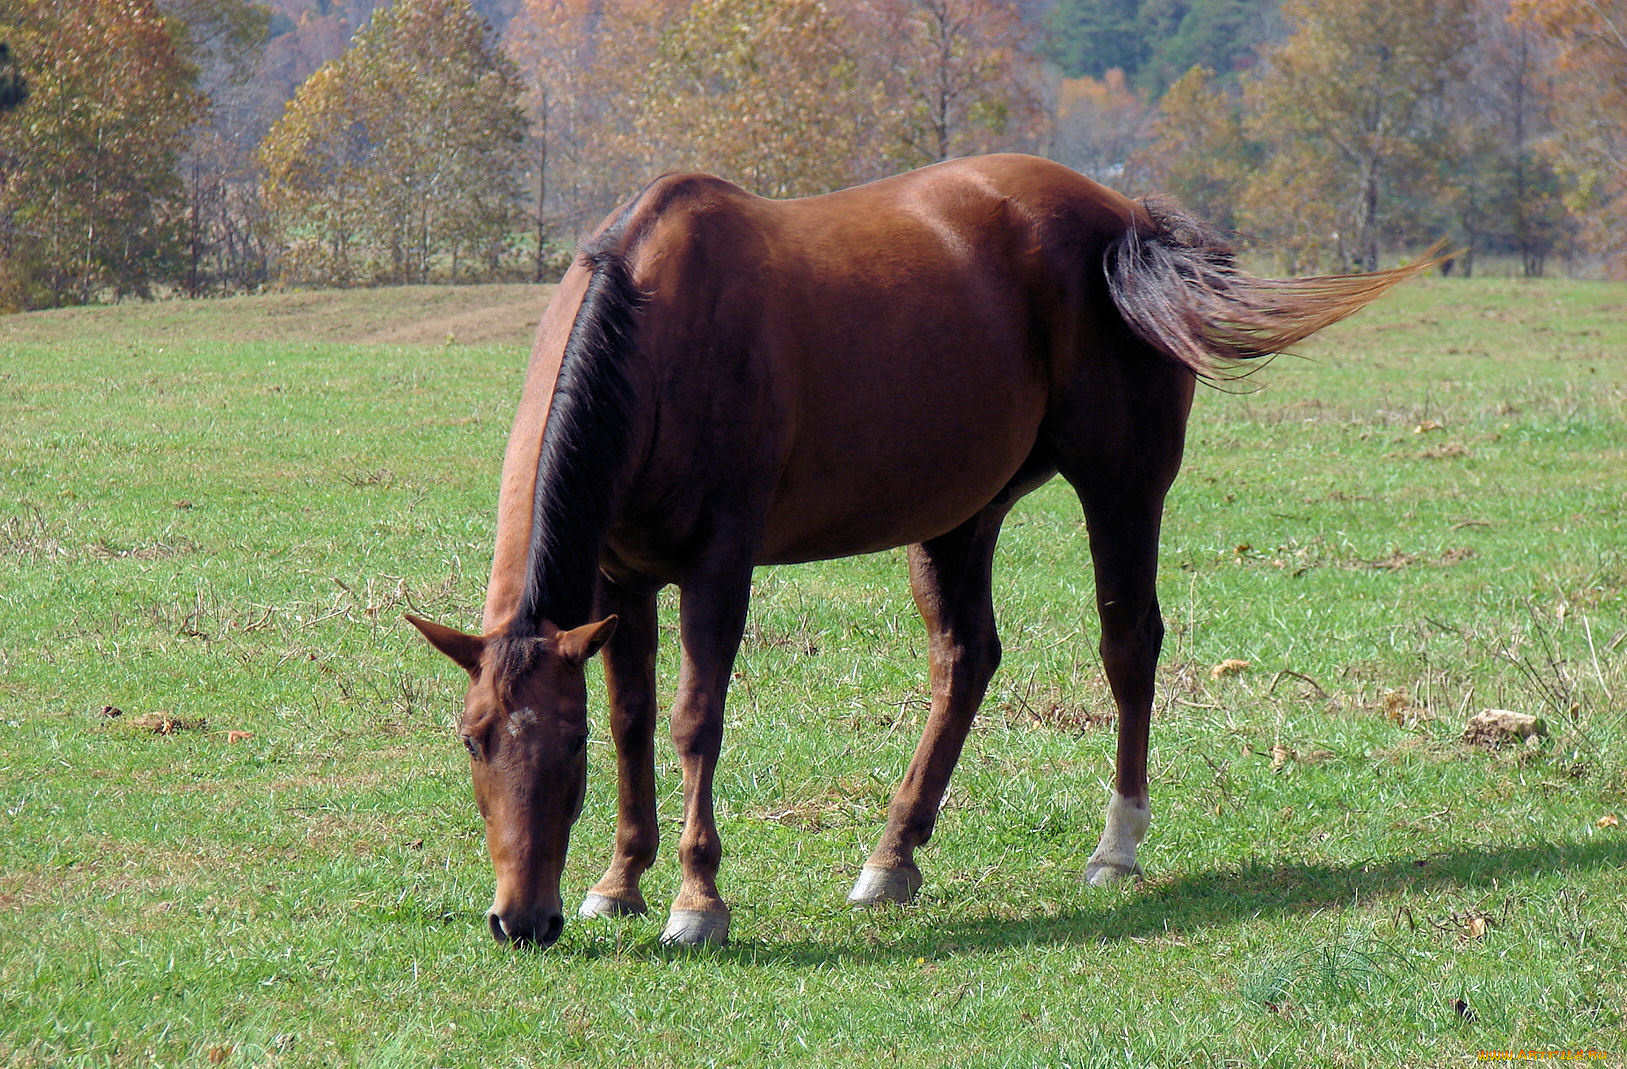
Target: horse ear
463, 649
580, 643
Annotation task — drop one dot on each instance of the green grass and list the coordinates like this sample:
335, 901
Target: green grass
212, 515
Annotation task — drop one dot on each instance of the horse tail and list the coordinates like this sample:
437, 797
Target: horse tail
1179, 289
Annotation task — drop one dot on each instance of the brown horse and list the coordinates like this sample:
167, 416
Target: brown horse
723, 381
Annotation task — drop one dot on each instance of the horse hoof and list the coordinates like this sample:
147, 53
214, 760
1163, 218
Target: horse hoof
696, 927
598, 905
1109, 873
877, 886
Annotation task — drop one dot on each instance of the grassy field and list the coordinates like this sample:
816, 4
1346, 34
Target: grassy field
237, 828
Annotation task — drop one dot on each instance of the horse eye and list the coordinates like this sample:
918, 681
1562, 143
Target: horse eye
471, 745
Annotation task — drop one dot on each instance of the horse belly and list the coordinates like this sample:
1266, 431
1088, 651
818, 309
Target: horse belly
901, 449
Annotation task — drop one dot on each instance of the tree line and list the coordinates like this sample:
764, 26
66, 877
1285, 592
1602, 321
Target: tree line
434, 147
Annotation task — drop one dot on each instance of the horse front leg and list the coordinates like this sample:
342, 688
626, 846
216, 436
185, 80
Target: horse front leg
629, 667
711, 621
950, 578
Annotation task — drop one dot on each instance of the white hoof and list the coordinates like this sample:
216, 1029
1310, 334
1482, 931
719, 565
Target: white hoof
879, 886
1107, 874
694, 927
597, 905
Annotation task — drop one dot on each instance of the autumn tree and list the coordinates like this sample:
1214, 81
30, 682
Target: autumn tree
552, 46
89, 195
950, 77
582, 64
753, 90
1504, 190
1591, 103
1348, 110
785, 96
1196, 150
224, 40
402, 155
1100, 122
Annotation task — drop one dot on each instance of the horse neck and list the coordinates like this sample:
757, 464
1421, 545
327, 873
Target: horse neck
584, 450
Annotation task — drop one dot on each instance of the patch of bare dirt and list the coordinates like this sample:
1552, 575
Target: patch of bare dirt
487, 315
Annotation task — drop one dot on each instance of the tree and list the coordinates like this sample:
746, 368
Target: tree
402, 156
1088, 38
952, 77
753, 90
1099, 124
1348, 110
786, 96
1505, 193
317, 164
583, 63
1221, 35
224, 39
1154, 42
1590, 99
1196, 150
89, 194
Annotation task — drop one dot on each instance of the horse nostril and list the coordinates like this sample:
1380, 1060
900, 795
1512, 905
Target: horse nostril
523, 931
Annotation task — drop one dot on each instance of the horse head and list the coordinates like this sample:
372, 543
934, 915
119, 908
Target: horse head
525, 725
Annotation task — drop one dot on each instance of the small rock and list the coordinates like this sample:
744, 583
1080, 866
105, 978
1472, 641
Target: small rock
1491, 728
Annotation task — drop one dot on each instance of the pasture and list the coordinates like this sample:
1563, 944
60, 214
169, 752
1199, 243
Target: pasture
237, 826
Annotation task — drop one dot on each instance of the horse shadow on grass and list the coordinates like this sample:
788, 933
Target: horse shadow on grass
1184, 904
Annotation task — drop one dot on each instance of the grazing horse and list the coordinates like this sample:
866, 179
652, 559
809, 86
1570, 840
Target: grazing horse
722, 381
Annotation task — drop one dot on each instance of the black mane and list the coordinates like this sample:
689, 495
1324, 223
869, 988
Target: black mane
585, 445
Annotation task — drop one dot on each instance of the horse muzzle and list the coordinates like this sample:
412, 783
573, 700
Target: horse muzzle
527, 928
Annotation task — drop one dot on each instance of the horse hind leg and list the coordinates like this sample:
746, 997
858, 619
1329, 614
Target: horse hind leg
950, 579
1124, 546
1121, 475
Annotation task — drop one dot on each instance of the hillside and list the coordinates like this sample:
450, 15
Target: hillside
491, 315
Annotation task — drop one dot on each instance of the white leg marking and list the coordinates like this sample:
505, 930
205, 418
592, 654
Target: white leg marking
1115, 856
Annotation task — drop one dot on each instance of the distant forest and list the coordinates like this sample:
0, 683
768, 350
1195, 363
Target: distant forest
199, 147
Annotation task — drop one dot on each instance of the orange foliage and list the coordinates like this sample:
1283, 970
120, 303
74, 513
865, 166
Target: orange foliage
89, 195
1099, 123
1591, 96
785, 96
1195, 150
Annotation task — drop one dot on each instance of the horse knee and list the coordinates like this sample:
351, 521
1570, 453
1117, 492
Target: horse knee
700, 848
639, 847
696, 735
